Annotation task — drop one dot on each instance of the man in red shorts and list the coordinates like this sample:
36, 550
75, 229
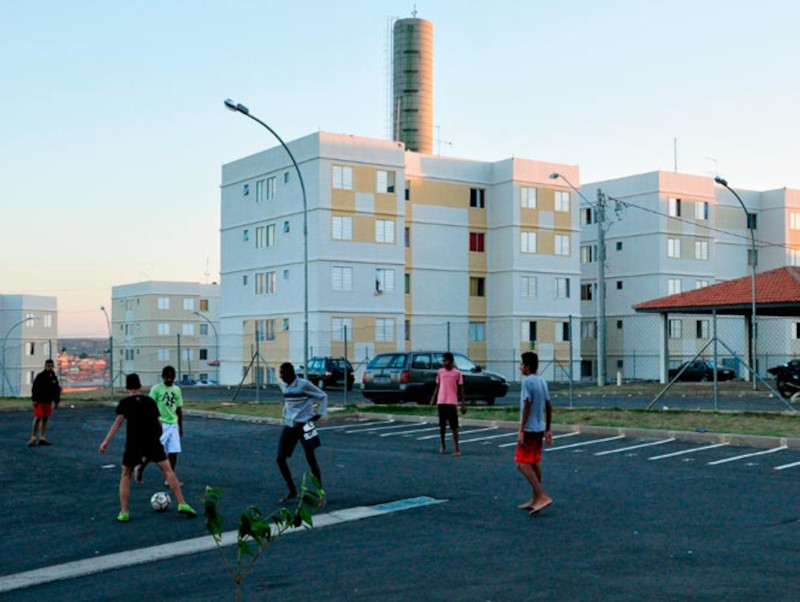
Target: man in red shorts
535, 417
46, 393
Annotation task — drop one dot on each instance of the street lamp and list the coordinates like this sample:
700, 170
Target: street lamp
751, 225
5, 338
216, 336
110, 352
600, 205
240, 108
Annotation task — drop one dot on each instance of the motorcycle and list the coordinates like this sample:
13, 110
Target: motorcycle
787, 378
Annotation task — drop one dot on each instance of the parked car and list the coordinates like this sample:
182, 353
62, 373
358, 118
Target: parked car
787, 378
411, 376
330, 372
700, 371
186, 382
207, 382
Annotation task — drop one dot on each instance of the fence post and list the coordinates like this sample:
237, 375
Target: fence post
179, 356
448, 335
346, 375
571, 374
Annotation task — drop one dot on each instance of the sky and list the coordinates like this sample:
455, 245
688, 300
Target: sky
113, 130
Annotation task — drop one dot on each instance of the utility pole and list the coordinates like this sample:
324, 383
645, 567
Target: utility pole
601, 289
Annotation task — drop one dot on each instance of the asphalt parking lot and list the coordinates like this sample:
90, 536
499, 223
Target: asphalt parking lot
633, 518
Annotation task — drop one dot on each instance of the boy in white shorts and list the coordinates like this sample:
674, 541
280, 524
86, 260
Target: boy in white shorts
170, 403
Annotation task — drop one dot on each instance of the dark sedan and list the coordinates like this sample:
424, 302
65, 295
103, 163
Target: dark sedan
700, 371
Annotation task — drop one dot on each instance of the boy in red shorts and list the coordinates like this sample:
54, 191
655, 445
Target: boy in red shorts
535, 416
46, 394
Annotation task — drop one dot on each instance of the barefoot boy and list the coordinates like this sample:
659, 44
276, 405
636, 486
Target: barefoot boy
449, 382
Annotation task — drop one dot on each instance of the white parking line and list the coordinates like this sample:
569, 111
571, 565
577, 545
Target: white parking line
384, 428
411, 432
572, 434
493, 428
688, 451
512, 434
785, 466
750, 455
624, 449
99, 564
595, 441
350, 426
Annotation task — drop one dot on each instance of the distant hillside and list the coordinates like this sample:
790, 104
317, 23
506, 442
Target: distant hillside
87, 347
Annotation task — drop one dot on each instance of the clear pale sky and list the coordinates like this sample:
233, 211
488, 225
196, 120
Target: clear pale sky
114, 132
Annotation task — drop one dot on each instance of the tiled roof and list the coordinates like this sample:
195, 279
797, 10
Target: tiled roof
775, 288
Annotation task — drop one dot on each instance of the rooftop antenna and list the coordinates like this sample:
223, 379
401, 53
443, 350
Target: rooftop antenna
439, 140
207, 273
414, 12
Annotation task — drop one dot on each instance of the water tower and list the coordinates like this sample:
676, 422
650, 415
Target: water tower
412, 108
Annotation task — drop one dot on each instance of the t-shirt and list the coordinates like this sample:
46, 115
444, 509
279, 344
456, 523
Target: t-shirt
141, 415
534, 388
298, 402
168, 400
448, 381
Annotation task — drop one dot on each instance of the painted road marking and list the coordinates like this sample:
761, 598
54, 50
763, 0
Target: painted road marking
750, 455
492, 428
584, 443
340, 427
511, 434
92, 566
623, 449
410, 432
689, 451
383, 428
572, 434
785, 466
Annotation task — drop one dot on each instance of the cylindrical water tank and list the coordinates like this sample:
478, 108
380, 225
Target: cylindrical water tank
412, 110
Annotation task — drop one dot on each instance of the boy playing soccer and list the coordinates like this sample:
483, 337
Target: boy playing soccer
449, 381
169, 400
142, 444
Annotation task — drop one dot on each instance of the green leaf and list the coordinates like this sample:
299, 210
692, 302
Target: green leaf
244, 548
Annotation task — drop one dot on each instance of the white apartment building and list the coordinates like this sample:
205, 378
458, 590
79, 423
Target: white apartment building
405, 251
29, 331
155, 324
672, 233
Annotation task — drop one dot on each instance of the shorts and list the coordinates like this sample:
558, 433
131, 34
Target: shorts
448, 413
42, 409
531, 451
305, 433
138, 454
171, 438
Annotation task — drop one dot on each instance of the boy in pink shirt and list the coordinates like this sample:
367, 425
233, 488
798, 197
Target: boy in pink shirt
449, 382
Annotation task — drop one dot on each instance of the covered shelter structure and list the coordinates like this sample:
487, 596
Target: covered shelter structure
777, 295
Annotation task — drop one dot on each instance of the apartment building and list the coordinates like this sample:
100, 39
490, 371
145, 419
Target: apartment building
157, 323
405, 251
29, 327
668, 233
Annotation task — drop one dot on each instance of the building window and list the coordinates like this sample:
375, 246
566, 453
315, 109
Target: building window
203, 304
203, 330
384, 181
261, 329
270, 186
269, 240
619, 285
260, 192
384, 281
407, 283
188, 305
587, 292
188, 330
343, 177
384, 230
587, 253
589, 330
265, 283
562, 201
700, 283
407, 236
529, 331
674, 248
30, 348
529, 197
286, 274
244, 279
794, 257
673, 286
163, 355
587, 216
530, 286
407, 330
794, 220
286, 226
286, 323
245, 235
796, 331
562, 244
285, 177
674, 207
701, 210
476, 242
384, 329
30, 320
342, 228
702, 327
163, 330
752, 257
619, 245
562, 332
271, 283
246, 189
619, 324
701, 249
675, 329
562, 288
204, 354
342, 278
477, 332
48, 320
477, 287
528, 242
260, 237
163, 303
342, 326
270, 324
477, 198
408, 190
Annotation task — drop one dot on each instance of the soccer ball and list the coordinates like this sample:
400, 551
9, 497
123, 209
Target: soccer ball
160, 501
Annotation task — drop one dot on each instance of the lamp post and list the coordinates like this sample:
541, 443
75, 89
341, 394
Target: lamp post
216, 336
600, 206
751, 225
5, 338
240, 108
110, 352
